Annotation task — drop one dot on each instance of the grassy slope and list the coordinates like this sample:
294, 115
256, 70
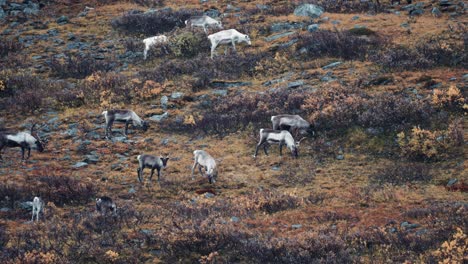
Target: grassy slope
341, 182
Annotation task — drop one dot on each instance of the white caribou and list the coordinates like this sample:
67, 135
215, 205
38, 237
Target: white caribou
203, 21
229, 36
152, 41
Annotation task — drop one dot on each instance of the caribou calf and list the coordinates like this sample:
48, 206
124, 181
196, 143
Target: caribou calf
24, 140
152, 162
105, 204
37, 207
281, 137
125, 116
205, 160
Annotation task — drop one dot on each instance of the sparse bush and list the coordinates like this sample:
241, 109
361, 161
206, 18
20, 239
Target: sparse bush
188, 44
425, 145
339, 44
424, 55
8, 46
240, 111
106, 89
79, 66
401, 173
149, 3
351, 6
153, 23
133, 44
362, 31
336, 108
451, 99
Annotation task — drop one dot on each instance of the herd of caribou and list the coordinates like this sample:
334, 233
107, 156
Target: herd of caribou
284, 126
229, 36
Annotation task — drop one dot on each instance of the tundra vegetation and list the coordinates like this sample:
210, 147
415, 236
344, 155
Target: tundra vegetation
382, 84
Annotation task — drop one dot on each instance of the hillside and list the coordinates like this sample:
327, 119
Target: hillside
382, 178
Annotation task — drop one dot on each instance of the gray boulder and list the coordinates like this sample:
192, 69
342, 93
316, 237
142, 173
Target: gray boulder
281, 26
313, 27
309, 10
159, 118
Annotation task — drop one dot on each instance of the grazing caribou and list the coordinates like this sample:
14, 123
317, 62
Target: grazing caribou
24, 140
37, 207
152, 162
152, 41
293, 123
230, 36
126, 116
205, 160
203, 21
281, 137
105, 204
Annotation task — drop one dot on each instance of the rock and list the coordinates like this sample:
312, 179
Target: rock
31, 9
26, 205
285, 44
36, 57
235, 219
354, 18
465, 77
310, 10
53, 32
313, 27
62, 20
164, 141
276, 168
5, 209
71, 36
404, 25
297, 226
263, 7
164, 100
91, 159
283, 79
222, 84
176, 95
132, 190
213, 13
209, 195
2, 13
72, 132
340, 157
452, 79
336, 22
407, 225
159, 118
277, 36
281, 26
295, 84
451, 182
220, 92
116, 167
332, 65
80, 165
416, 12
231, 8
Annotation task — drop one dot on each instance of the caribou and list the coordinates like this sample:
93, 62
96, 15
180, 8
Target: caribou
281, 137
37, 207
152, 162
126, 116
105, 204
152, 41
205, 160
293, 123
230, 36
203, 21
24, 140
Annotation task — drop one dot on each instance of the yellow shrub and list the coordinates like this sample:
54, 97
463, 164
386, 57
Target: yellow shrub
453, 251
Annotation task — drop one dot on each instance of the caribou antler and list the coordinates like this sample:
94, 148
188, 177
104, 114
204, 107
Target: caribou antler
301, 140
